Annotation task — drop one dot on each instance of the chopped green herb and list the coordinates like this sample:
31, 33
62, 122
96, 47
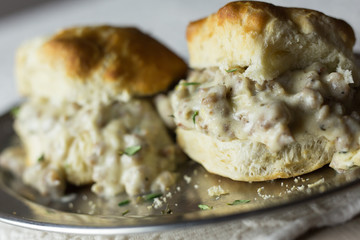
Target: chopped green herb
232, 70
204, 207
172, 116
237, 202
125, 212
123, 203
194, 116
151, 196
15, 111
190, 83
130, 151
41, 158
343, 152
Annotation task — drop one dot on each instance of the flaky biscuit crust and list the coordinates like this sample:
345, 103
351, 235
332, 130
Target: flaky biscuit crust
268, 40
243, 160
123, 59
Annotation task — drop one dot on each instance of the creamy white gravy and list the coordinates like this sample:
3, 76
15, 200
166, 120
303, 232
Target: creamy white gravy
227, 105
85, 144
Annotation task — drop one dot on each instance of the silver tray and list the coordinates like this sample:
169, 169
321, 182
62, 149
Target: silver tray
81, 212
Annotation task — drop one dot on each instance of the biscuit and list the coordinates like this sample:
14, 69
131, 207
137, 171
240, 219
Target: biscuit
272, 93
105, 62
269, 40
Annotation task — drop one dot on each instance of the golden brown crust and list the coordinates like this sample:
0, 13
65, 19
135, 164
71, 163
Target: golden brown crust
253, 17
124, 58
268, 40
146, 65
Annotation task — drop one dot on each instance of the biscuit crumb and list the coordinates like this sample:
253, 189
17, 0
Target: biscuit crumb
157, 203
216, 191
317, 183
264, 196
187, 179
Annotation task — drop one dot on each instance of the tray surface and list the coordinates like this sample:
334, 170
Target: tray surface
80, 211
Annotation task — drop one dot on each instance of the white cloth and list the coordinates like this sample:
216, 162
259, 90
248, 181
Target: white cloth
285, 224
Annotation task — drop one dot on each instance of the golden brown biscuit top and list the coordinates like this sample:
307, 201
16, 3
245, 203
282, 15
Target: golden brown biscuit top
126, 57
253, 16
266, 40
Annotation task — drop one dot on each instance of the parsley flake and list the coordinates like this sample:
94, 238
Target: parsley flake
123, 203
237, 202
15, 111
125, 212
194, 116
41, 158
232, 70
152, 196
190, 83
130, 151
205, 207
172, 116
